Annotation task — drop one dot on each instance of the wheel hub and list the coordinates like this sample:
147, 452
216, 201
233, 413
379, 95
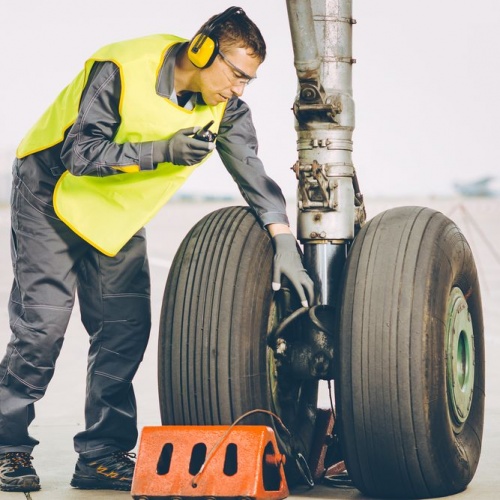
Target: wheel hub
460, 358
303, 342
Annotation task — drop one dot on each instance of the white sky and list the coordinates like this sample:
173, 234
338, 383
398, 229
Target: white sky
426, 83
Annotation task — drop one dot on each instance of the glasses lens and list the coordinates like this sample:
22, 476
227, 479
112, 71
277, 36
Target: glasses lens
237, 78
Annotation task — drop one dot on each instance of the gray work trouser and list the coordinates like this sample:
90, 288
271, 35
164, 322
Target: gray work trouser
50, 262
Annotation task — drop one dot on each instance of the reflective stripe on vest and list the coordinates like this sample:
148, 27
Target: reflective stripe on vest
108, 211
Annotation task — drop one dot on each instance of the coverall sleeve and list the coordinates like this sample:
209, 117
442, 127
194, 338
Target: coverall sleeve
89, 148
237, 146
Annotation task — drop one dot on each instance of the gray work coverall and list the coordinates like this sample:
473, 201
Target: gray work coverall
50, 262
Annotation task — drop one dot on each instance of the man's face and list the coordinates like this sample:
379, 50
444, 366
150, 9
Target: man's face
228, 75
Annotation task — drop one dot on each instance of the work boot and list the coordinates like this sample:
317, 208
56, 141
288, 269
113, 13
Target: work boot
17, 472
111, 472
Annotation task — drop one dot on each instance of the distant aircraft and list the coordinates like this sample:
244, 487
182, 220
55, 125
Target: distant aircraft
479, 187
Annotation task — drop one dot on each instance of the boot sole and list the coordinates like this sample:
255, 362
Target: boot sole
89, 483
22, 484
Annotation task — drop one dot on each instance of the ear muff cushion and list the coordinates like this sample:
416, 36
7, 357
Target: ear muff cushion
202, 51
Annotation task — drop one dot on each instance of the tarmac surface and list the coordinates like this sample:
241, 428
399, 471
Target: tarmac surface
60, 412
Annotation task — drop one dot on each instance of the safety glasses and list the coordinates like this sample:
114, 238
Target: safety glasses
239, 76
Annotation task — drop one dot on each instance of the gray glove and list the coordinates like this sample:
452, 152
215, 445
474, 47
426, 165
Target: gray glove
288, 262
182, 148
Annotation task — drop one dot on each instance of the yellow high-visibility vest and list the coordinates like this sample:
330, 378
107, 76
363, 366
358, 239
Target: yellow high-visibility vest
108, 211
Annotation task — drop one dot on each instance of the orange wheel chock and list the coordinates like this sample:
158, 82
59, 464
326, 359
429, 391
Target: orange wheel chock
178, 462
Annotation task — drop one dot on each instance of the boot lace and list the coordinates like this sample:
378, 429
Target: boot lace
120, 461
18, 460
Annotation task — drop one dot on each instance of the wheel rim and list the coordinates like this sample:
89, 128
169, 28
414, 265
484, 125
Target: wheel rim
281, 307
292, 400
460, 358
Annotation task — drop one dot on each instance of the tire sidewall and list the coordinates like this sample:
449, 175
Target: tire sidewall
449, 264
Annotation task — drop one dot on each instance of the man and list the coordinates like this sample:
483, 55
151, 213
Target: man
113, 147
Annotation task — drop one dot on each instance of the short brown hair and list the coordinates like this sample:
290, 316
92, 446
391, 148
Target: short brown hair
238, 31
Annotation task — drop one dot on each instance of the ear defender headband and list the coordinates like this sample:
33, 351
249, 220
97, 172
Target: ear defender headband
204, 47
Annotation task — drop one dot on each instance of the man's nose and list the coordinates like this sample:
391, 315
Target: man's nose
238, 89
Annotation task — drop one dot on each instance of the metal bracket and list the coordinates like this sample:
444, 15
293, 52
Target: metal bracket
313, 105
316, 189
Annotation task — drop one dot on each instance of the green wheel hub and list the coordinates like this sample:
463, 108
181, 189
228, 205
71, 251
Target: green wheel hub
460, 358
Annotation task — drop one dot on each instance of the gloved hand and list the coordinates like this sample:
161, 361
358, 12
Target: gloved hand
288, 262
182, 148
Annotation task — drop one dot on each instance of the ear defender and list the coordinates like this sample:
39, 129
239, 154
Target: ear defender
204, 47
203, 50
